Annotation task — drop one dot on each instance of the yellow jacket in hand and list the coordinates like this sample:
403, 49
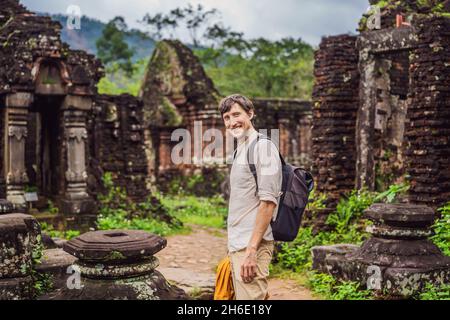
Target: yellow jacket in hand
224, 283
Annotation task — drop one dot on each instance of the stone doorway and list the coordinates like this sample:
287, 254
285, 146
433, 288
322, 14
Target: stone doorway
384, 66
44, 149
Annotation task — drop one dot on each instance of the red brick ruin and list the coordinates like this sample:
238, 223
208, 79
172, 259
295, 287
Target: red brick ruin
381, 102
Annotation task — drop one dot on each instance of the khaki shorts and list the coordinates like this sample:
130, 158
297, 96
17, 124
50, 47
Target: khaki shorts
258, 288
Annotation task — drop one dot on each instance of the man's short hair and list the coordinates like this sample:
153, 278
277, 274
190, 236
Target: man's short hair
227, 102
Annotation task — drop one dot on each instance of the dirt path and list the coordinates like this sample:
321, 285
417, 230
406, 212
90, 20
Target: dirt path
190, 261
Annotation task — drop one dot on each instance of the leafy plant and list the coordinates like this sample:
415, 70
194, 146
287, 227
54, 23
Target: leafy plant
330, 288
52, 208
432, 292
42, 282
117, 211
210, 211
347, 227
63, 234
441, 229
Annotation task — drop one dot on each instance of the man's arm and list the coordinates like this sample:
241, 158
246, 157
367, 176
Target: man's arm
264, 215
268, 171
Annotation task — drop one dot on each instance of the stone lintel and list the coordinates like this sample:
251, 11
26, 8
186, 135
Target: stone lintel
77, 102
379, 41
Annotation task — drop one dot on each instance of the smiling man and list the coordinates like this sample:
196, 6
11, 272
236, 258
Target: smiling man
252, 204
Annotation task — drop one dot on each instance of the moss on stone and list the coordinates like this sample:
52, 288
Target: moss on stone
171, 116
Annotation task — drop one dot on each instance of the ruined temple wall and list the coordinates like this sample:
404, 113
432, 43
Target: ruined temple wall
391, 80
428, 135
2, 148
293, 119
116, 144
335, 105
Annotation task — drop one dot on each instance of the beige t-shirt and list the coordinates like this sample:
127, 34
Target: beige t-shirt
244, 203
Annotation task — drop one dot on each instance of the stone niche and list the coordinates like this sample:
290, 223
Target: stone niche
398, 260
19, 236
117, 265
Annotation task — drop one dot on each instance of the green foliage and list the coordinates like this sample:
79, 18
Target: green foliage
432, 292
204, 184
117, 211
52, 208
29, 188
117, 81
317, 200
392, 192
441, 228
65, 234
350, 209
347, 227
329, 288
112, 48
261, 68
209, 212
42, 282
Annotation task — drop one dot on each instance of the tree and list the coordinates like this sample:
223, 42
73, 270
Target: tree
112, 48
193, 18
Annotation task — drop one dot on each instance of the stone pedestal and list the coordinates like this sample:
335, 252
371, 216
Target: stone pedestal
18, 236
117, 264
397, 260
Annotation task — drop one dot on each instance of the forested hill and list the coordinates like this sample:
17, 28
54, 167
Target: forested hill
91, 30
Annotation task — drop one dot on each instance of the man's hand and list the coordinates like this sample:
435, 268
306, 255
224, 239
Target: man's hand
248, 268
263, 217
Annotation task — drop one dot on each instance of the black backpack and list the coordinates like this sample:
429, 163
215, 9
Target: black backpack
297, 183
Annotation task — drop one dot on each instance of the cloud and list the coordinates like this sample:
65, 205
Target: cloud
273, 19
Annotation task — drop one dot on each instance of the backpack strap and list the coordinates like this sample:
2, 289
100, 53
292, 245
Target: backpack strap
251, 162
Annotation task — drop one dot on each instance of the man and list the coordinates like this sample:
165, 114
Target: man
250, 239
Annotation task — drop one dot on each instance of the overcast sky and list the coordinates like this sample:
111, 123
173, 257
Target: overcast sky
273, 19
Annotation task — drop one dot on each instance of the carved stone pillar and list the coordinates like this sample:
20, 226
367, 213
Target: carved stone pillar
76, 199
15, 134
165, 149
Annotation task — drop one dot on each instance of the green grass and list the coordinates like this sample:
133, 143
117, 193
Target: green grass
209, 212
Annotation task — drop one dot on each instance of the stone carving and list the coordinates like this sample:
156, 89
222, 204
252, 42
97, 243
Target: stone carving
17, 132
118, 264
398, 259
76, 171
18, 236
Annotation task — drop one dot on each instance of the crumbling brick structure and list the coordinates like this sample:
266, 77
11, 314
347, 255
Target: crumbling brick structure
58, 134
428, 135
335, 100
176, 93
403, 97
116, 144
293, 120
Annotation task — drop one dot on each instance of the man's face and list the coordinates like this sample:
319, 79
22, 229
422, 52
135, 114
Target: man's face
237, 121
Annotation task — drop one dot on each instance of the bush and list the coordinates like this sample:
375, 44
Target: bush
209, 212
442, 230
348, 227
432, 292
329, 288
65, 234
117, 211
204, 184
